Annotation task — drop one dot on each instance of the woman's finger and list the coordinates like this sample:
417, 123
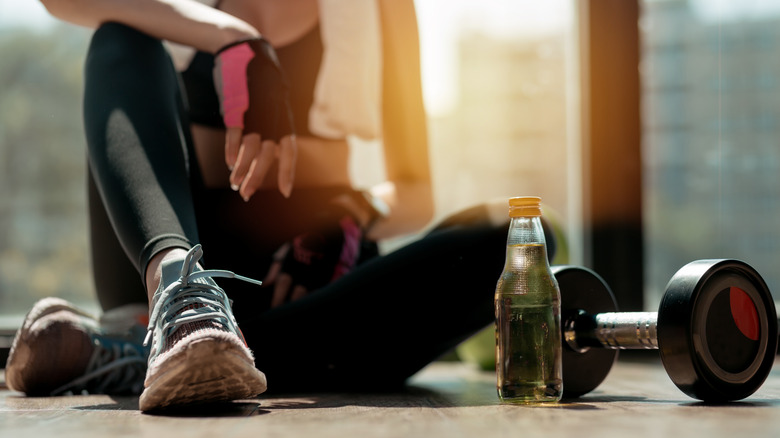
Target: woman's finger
276, 266
288, 154
247, 152
282, 287
298, 292
232, 143
273, 273
258, 169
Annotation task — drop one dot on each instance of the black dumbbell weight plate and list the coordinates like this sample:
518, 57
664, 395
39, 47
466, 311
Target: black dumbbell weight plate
583, 290
717, 330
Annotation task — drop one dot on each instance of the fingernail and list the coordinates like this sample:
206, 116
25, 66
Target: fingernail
234, 187
286, 190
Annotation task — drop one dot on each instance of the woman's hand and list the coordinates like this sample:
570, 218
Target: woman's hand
250, 157
316, 258
253, 94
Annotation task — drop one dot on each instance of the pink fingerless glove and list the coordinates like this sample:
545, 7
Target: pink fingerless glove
253, 89
350, 249
327, 252
230, 77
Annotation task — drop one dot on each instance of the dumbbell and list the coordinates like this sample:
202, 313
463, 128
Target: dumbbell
716, 329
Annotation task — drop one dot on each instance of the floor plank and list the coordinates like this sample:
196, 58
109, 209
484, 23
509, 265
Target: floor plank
444, 400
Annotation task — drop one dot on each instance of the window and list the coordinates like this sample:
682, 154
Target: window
500, 85
711, 148
43, 244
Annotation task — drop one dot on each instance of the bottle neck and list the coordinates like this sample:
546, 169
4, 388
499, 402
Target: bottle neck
526, 244
525, 231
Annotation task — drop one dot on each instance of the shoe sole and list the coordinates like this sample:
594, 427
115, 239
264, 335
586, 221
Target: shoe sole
207, 370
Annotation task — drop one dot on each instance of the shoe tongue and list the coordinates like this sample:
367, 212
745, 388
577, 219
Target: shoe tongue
172, 271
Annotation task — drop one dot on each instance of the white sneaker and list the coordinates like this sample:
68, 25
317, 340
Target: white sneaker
198, 354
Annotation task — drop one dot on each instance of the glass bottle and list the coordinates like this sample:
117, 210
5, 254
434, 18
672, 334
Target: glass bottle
527, 305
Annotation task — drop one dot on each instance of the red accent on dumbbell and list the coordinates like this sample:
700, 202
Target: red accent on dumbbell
744, 312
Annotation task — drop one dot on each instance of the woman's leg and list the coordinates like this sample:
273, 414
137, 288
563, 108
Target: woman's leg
133, 117
116, 280
139, 157
390, 317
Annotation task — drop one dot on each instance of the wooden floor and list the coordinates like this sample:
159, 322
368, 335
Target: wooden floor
446, 400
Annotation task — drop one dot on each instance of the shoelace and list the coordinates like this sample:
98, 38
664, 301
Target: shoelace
188, 300
117, 366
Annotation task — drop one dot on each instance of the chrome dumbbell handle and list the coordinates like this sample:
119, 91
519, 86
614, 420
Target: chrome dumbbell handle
627, 330
612, 330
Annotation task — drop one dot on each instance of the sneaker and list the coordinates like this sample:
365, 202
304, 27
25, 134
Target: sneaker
62, 349
197, 354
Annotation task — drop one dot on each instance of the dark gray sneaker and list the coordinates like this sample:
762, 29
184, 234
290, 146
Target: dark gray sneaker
61, 349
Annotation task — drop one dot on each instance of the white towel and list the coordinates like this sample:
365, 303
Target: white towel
348, 92
347, 96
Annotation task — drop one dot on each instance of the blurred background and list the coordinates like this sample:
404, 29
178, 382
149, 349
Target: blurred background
650, 128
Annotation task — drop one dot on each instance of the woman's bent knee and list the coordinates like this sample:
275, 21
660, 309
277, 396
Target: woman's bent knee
115, 45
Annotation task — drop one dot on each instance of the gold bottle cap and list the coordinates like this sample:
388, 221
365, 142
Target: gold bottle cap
525, 206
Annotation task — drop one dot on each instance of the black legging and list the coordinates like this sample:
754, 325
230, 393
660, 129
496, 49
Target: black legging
373, 328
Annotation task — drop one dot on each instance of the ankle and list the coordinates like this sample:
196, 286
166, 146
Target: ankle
154, 269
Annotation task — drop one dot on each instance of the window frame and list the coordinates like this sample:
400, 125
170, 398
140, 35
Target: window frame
611, 157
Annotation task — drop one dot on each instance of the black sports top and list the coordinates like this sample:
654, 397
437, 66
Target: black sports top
300, 62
